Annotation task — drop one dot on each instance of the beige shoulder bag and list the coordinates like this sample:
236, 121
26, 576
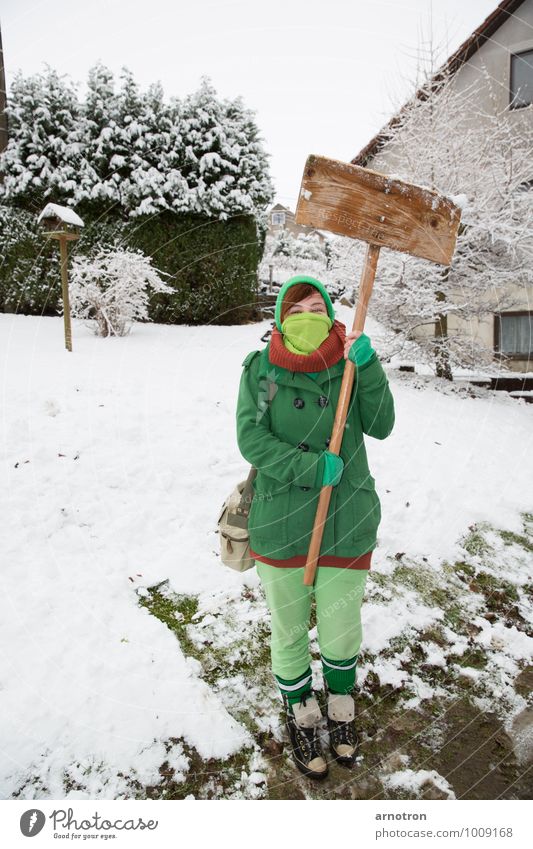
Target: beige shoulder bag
233, 526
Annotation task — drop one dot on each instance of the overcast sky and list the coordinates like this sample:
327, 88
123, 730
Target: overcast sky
322, 77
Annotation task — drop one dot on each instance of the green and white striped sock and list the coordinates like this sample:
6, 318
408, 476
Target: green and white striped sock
339, 674
294, 688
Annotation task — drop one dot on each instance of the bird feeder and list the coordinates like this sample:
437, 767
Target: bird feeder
62, 223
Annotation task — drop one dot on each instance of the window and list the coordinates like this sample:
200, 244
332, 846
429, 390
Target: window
278, 218
514, 334
521, 79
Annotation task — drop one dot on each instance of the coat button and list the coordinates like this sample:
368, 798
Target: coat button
299, 403
305, 488
327, 441
303, 445
323, 401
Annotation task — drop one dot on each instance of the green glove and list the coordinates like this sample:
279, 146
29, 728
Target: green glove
333, 469
361, 350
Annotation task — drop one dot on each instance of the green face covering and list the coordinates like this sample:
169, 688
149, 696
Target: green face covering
303, 332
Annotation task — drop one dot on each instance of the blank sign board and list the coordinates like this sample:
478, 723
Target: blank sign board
364, 204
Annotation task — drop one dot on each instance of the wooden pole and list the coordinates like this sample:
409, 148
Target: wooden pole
365, 291
64, 288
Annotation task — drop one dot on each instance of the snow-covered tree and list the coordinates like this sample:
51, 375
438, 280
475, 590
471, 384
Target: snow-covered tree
482, 159
223, 160
127, 154
305, 254
131, 151
155, 182
42, 159
250, 187
101, 136
112, 288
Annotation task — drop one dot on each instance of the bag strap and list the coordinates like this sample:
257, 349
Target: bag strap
240, 517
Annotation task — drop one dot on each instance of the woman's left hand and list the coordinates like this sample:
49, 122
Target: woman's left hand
359, 352
350, 339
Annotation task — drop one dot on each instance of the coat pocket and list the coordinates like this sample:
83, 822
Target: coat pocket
357, 511
267, 522
301, 510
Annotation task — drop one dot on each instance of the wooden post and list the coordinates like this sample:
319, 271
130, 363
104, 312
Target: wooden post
64, 289
63, 224
365, 290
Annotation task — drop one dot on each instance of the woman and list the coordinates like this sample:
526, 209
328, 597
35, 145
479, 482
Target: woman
285, 411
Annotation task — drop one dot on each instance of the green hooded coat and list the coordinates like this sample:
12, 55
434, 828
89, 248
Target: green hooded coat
284, 441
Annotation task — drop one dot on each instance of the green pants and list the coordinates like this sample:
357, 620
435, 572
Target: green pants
338, 597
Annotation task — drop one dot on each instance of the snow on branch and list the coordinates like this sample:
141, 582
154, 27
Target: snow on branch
481, 158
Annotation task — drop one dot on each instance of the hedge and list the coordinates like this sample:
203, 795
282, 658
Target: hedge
211, 264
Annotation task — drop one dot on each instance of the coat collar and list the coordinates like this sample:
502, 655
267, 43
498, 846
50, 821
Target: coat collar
278, 374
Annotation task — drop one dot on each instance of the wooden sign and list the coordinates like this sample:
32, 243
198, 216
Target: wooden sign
384, 211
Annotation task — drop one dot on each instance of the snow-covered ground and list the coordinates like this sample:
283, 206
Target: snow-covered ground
116, 459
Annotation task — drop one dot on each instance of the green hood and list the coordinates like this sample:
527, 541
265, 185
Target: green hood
301, 278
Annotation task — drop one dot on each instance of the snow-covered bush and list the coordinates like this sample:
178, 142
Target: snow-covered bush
288, 254
304, 254
112, 288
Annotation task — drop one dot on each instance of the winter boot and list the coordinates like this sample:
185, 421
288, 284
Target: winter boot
343, 739
301, 720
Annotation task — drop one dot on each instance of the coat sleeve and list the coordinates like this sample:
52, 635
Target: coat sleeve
374, 399
260, 447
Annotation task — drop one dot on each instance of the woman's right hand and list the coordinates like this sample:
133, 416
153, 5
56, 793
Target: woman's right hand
333, 469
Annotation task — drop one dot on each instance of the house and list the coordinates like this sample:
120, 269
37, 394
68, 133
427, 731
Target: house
282, 218
503, 45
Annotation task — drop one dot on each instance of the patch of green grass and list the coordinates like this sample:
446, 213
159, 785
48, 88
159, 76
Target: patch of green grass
490, 585
463, 570
434, 634
474, 657
512, 538
379, 578
212, 778
425, 582
527, 521
250, 651
414, 577
475, 543
253, 656
165, 608
501, 597
39, 789
527, 589
397, 644
253, 649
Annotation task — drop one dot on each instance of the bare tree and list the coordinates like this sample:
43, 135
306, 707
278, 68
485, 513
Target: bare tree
481, 157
